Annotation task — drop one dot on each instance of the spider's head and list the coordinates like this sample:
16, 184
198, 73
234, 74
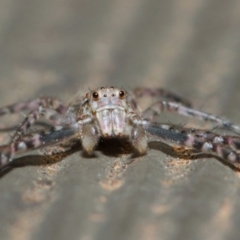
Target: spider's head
109, 105
107, 98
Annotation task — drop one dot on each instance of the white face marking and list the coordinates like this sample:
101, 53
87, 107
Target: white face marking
110, 106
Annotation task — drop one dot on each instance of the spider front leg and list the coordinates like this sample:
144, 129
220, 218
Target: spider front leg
35, 141
138, 136
89, 137
89, 132
161, 106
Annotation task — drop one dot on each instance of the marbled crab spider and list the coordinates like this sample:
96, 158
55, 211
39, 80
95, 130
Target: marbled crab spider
113, 113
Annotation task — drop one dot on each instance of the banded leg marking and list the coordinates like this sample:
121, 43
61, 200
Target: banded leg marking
49, 114
34, 104
34, 141
225, 147
161, 106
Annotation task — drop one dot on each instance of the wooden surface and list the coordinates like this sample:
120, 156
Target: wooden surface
61, 47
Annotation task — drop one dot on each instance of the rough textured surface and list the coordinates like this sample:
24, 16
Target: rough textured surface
56, 48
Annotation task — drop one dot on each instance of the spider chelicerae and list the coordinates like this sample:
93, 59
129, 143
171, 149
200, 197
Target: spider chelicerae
110, 112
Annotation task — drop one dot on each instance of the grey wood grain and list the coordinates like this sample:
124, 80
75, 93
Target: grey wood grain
60, 48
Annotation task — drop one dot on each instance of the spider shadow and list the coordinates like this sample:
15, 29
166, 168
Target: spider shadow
111, 148
35, 160
108, 147
115, 147
188, 154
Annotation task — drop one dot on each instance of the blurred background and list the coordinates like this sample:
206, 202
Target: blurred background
63, 47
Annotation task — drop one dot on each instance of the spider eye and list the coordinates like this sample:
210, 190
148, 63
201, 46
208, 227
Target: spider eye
121, 94
95, 95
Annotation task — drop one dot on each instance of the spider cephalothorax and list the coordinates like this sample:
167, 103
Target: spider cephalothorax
107, 113
110, 112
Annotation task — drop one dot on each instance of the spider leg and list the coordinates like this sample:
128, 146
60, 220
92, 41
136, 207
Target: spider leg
232, 142
30, 105
161, 106
36, 140
46, 113
225, 147
160, 93
138, 136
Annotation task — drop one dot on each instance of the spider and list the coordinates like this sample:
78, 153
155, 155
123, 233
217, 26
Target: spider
110, 112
